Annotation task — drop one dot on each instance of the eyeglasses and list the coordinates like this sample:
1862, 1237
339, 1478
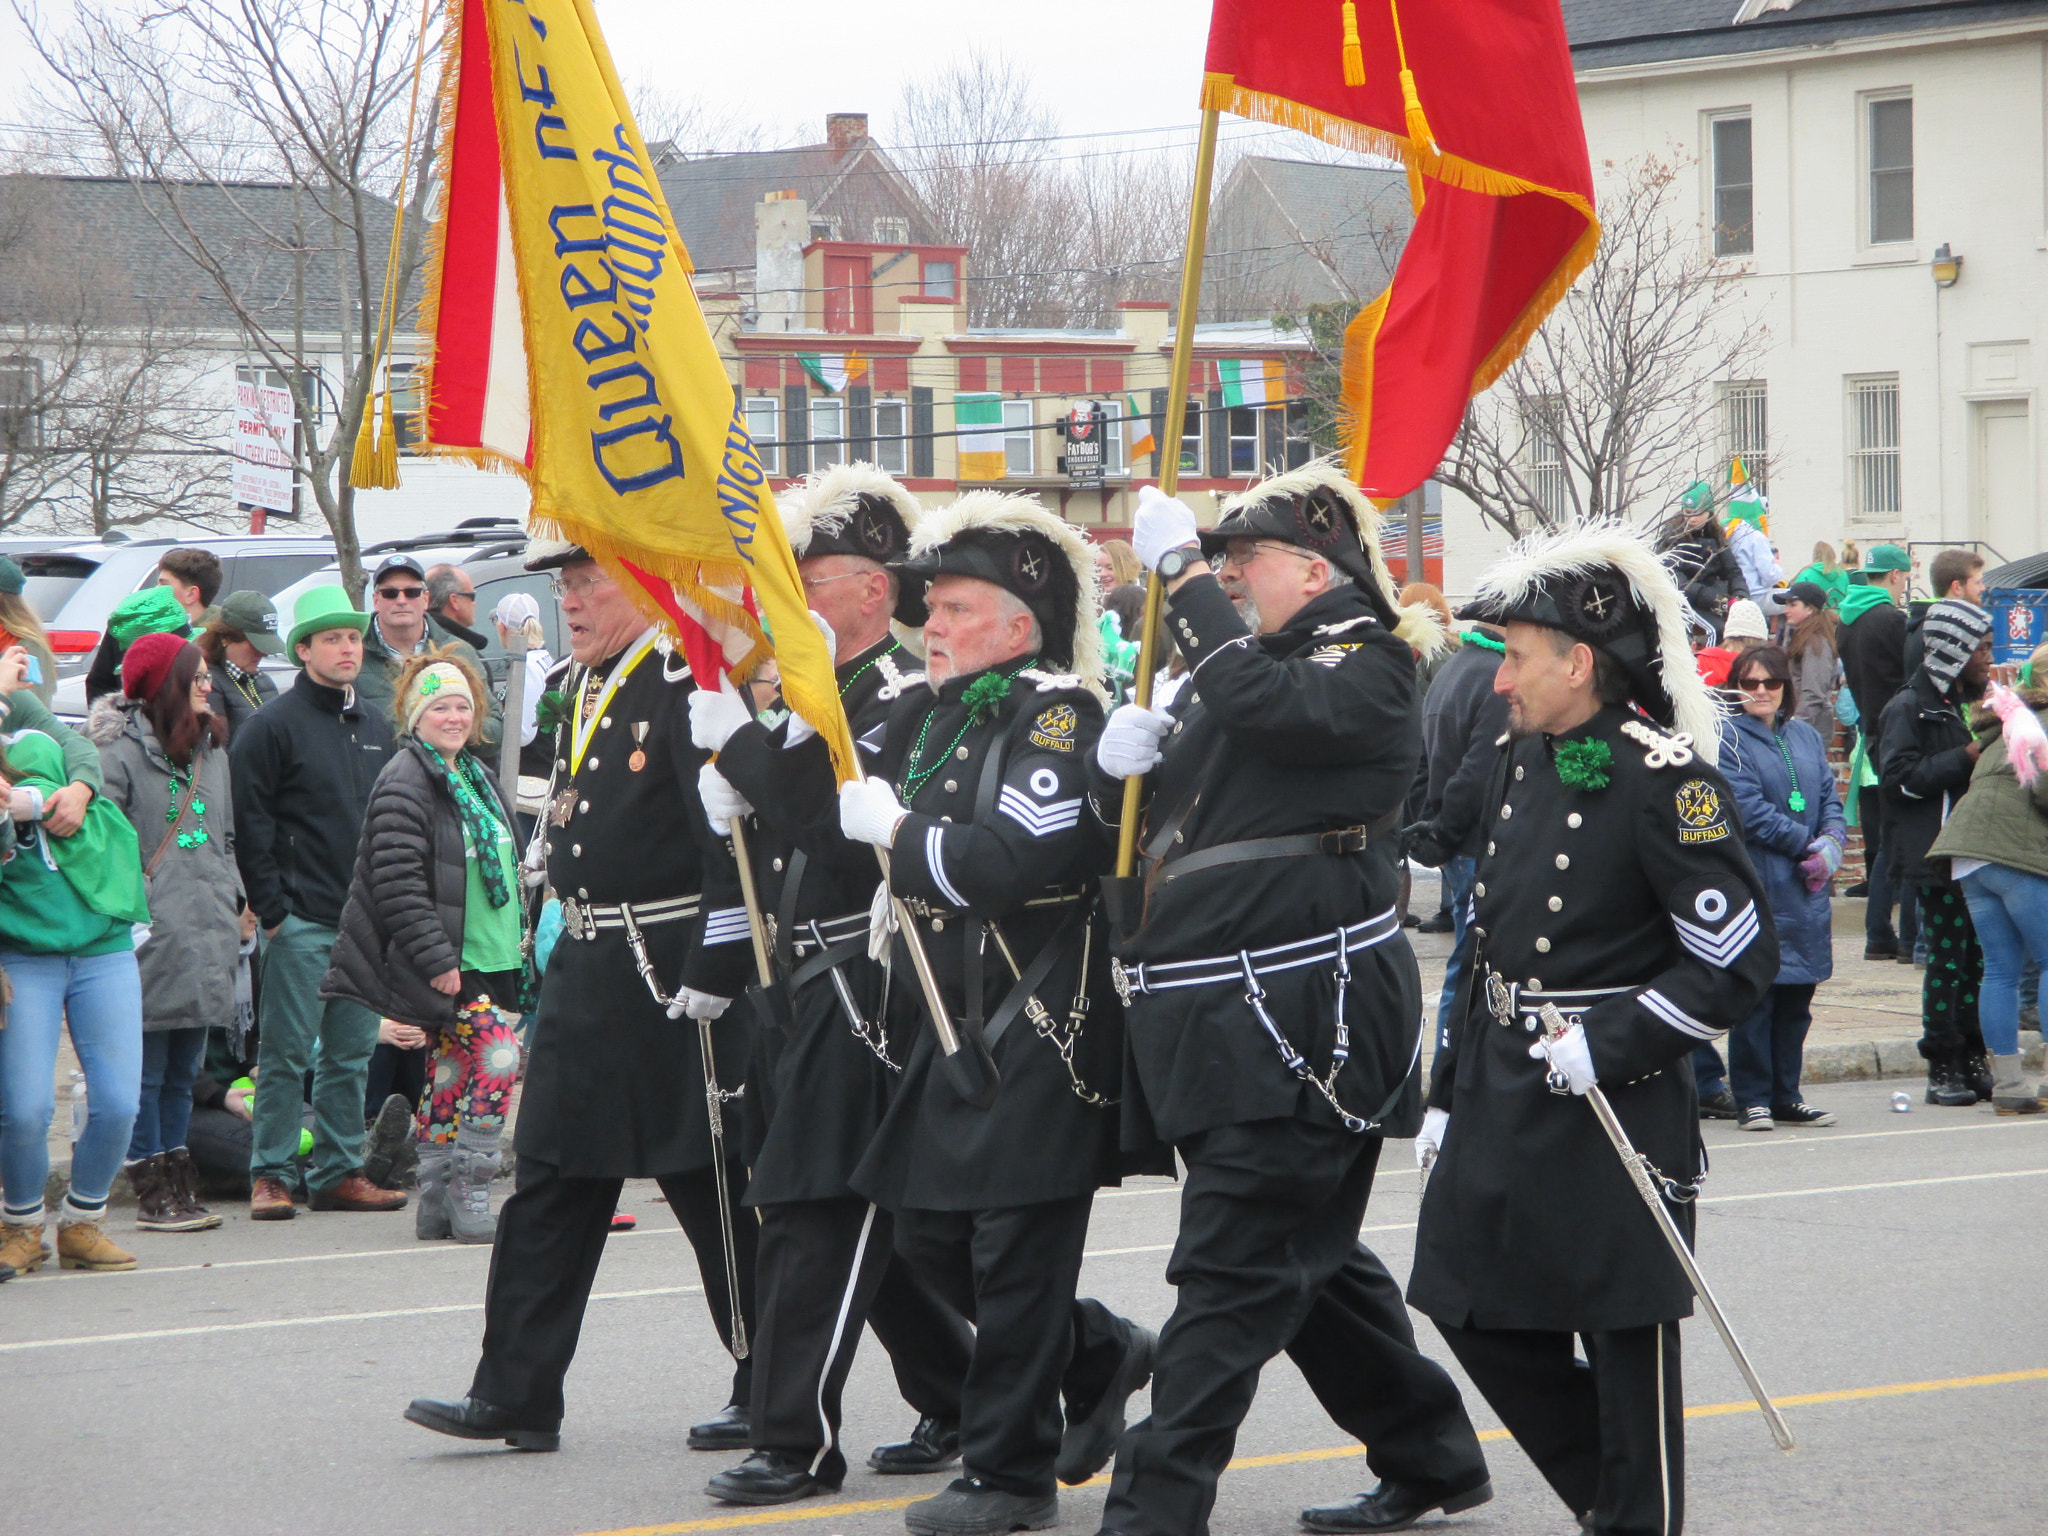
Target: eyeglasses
1767, 684
202, 679
582, 586
819, 581
1243, 557
392, 594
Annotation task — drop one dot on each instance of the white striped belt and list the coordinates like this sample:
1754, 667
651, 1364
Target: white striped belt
836, 930
1508, 1001
585, 919
1165, 975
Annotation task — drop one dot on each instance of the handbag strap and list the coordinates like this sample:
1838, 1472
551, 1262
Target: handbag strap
191, 794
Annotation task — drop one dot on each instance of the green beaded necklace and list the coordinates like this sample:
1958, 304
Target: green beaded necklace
982, 697
1797, 801
198, 834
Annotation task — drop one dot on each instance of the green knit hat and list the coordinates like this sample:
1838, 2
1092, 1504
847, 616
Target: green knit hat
152, 611
1698, 497
11, 578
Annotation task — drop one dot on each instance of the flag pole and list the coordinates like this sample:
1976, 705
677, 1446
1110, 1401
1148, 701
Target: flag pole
1169, 453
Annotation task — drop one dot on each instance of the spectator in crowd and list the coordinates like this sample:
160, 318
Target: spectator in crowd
152, 611
70, 897
1745, 629
1784, 788
234, 642
164, 766
1871, 641
1810, 645
1954, 573
1695, 551
1996, 843
401, 627
1430, 596
1462, 723
1926, 755
1825, 573
1754, 557
519, 612
1426, 670
451, 602
193, 576
1708, 653
431, 937
302, 771
20, 626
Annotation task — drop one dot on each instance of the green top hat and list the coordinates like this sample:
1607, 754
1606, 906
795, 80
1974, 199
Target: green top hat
321, 608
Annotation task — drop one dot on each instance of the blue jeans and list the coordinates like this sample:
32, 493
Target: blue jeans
2009, 909
171, 1059
101, 998
1709, 1072
1457, 875
1767, 1049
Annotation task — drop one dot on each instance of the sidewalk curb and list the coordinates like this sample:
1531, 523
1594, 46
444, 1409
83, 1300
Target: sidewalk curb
1880, 1059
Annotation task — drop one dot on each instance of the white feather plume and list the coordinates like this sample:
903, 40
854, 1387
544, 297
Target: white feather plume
826, 499
1416, 623
1009, 512
1587, 547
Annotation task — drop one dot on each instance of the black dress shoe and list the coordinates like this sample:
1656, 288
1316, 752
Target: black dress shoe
969, 1507
932, 1446
1719, 1105
1436, 922
769, 1477
729, 1429
472, 1419
1087, 1445
1392, 1507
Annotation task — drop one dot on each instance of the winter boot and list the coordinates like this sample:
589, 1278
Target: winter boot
82, 1243
184, 1179
157, 1205
1947, 1085
436, 1162
1977, 1073
21, 1246
385, 1140
2012, 1092
469, 1186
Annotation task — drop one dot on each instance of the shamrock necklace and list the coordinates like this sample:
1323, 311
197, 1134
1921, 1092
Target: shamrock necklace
199, 833
1796, 802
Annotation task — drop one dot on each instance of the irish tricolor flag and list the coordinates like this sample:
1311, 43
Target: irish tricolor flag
1251, 383
980, 419
1142, 441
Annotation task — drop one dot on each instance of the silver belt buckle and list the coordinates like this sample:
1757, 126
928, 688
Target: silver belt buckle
1121, 980
1500, 999
573, 919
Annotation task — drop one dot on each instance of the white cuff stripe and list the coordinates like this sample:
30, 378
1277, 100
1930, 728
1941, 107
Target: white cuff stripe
1038, 820
934, 858
727, 925
1722, 948
1670, 1013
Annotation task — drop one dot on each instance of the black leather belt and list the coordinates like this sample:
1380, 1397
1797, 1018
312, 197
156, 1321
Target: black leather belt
1337, 843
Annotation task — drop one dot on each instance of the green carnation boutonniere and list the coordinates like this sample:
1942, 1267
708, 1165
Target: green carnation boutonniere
985, 693
551, 711
1585, 765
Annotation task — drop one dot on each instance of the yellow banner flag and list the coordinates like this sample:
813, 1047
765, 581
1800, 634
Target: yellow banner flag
637, 449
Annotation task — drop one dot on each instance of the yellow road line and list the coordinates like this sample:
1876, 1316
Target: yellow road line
786, 1515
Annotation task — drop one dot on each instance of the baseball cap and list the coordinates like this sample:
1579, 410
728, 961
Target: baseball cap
253, 614
1887, 557
400, 562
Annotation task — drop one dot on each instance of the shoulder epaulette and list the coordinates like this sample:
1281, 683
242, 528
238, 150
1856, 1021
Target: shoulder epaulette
1049, 682
1663, 750
1338, 629
898, 681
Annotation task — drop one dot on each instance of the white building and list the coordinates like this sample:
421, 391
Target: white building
1844, 148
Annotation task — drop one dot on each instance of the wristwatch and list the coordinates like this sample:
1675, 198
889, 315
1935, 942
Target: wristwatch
1174, 563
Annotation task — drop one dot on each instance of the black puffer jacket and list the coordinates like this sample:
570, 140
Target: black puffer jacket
403, 922
1925, 761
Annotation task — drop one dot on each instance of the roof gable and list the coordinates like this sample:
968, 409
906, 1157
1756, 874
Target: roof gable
712, 199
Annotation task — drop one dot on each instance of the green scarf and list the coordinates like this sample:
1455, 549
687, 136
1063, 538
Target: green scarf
102, 860
478, 807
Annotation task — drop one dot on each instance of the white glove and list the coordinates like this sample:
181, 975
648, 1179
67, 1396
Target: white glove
801, 730
881, 923
698, 1005
1161, 524
723, 805
869, 811
1430, 1139
715, 716
831, 639
1130, 739
1569, 1054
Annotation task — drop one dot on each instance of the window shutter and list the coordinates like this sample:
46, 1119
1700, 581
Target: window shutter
860, 422
1273, 451
1158, 405
796, 430
1218, 435
921, 434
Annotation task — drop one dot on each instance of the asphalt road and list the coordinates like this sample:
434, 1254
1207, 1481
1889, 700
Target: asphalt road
1886, 1274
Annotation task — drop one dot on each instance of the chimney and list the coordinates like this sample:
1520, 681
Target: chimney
782, 228
843, 130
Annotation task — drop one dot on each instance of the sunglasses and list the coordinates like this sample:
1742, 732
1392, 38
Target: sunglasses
391, 594
1767, 684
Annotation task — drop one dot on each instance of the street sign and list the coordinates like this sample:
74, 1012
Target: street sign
264, 428
1085, 426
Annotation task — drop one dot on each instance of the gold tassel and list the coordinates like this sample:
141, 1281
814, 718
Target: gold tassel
387, 449
362, 464
1354, 51
374, 464
1418, 125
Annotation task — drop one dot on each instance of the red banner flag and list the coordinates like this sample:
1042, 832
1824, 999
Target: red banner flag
1476, 98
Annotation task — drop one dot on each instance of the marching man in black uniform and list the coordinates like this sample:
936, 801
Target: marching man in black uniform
1275, 1012
615, 1089
819, 1084
977, 795
1614, 886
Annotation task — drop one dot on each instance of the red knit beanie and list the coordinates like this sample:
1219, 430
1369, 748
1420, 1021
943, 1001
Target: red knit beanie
147, 664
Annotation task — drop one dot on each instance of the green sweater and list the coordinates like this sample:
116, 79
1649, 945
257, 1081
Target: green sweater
1997, 820
41, 913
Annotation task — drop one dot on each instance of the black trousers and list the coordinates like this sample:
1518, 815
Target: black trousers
827, 1267
1268, 1258
1012, 1272
551, 1234
1608, 1434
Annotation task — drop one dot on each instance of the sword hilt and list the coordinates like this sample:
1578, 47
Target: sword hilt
1554, 1025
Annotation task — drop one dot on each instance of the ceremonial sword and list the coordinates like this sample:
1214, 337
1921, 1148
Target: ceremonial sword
1643, 1175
